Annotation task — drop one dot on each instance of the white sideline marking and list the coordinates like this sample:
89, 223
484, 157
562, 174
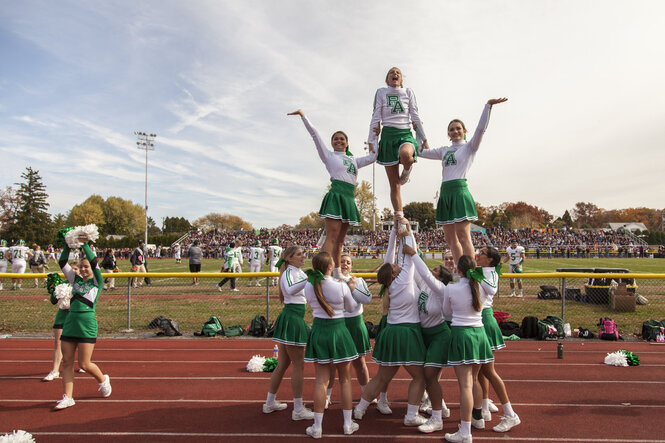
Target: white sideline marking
346, 437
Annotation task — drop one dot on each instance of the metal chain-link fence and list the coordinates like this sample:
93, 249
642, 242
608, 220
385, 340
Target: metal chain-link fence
586, 298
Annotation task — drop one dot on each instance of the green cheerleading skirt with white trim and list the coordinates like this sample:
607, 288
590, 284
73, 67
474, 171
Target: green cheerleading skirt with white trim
339, 203
359, 334
80, 325
400, 345
455, 203
391, 140
469, 346
494, 335
290, 327
437, 342
330, 342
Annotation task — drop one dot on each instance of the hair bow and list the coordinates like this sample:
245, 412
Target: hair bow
279, 263
347, 152
475, 274
497, 268
382, 290
314, 276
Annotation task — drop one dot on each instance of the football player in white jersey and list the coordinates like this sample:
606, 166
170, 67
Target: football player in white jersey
515, 257
176, 252
4, 256
18, 254
257, 255
274, 253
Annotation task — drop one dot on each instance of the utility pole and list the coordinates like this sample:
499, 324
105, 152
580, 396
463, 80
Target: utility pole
145, 142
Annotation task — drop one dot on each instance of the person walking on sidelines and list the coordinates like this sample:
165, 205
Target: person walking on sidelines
109, 266
195, 254
330, 344
80, 327
232, 263
290, 333
37, 262
138, 263
176, 252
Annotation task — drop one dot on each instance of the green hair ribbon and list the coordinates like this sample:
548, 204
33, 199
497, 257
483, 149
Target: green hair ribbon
382, 290
61, 235
348, 152
475, 274
279, 263
314, 276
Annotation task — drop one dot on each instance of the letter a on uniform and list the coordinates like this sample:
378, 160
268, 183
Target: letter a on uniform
395, 103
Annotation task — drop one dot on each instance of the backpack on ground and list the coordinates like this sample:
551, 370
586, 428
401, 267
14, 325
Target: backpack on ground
585, 333
234, 331
651, 329
608, 329
168, 327
548, 292
547, 331
211, 328
557, 322
258, 326
271, 329
529, 327
509, 328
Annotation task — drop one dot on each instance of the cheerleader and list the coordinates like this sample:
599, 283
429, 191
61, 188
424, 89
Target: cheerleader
489, 258
396, 109
469, 347
80, 325
338, 208
456, 209
436, 334
400, 342
290, 333
330, 344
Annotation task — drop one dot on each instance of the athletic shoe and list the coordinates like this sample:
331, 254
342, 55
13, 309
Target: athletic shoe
81, 371
458, 437
258, 284
272, 407
492, 407
487, 415
353, 427
478, 424
66, 402
219, 288
358, 414
512, 294
303, 414
445, 413
404, 176
105, 387
507, 423
328, 402
426, 405
314, 433
234, 290
51, 375
384, 407
417, 420
519, 294
432, 425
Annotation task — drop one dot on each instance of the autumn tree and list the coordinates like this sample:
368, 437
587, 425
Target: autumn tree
386, 214
123, 217
31, 222
90, 211
9, 206
178, 225
422, 212
587, 215
523, 215
222, 222
366, 204
310, 221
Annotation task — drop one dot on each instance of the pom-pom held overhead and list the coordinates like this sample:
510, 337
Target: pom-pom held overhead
74, 236
255, 364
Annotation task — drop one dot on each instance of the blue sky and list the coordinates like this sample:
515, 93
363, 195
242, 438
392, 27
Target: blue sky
215, 79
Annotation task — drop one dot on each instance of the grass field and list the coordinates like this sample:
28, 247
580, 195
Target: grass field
29, 310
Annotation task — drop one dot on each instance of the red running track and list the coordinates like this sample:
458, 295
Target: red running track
177, 389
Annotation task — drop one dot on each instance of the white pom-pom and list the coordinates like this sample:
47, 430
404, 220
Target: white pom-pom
63, 292
90, 232
19, 436
617, 358
255, 364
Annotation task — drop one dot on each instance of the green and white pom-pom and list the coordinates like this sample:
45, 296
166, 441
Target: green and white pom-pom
63, 293
632, 359
19, 436
270, 364
255, 364
617, 358
88, 231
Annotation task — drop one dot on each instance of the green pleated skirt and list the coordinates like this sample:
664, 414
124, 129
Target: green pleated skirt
330, 342
399, 345
358, 331
468, 346
437, 342
494, 335
339, 203
455, 203
391, 140
290, 327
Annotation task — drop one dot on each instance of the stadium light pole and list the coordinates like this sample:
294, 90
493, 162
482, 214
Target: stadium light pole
373, 195
145, 142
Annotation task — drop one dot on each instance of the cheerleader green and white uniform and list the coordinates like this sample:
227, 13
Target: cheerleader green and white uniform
395, 109
290, 327
339, 202
455, 201
354, 318
435, 330
81, 324
468, 341
400, 342
330, 341
489, 287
